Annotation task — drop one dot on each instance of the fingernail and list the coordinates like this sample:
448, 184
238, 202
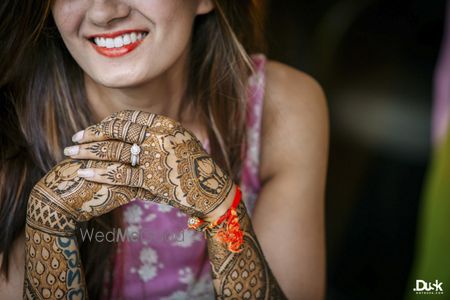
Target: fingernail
73, 150
86, 173
78, 136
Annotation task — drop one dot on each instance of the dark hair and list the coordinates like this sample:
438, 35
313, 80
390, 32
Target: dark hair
43, 103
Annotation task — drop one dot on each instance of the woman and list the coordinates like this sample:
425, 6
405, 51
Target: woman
164, 105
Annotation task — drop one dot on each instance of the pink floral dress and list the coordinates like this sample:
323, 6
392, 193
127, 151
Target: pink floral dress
165, 260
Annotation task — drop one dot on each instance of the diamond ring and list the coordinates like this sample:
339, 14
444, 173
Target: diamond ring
135, 150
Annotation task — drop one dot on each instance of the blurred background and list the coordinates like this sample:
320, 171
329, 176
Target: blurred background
375, 60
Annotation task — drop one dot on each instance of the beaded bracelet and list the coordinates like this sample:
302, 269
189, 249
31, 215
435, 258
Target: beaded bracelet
230, 232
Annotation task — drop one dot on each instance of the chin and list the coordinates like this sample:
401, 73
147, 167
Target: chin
119, 80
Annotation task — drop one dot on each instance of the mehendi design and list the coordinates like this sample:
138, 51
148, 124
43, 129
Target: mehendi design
57, 203
172, 163
111, 150
125, 176
174, 169
211, 179
100, 149
174, 166
242, 275
54, 268
95, 130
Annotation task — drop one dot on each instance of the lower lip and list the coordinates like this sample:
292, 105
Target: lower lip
116, 52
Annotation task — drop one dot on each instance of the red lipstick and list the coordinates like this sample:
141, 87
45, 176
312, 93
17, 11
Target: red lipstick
116, 51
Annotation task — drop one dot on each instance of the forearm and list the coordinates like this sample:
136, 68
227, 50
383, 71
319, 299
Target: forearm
52, 260
242, 275
56, 205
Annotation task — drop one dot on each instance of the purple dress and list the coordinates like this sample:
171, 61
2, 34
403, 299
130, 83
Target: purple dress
165, 260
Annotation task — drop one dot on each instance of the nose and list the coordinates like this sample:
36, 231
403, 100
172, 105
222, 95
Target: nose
105, 12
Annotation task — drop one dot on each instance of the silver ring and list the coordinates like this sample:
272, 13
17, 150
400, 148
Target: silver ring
135, 150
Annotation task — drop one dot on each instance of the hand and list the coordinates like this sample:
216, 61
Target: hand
70, 199
56, 204
172, 164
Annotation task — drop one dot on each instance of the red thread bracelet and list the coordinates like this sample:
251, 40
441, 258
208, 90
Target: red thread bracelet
236, 200
231, 234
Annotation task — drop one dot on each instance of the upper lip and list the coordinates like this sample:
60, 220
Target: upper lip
115, 33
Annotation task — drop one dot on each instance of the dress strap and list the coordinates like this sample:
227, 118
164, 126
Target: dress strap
250, 181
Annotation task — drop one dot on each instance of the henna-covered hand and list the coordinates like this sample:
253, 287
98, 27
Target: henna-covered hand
172, 165
175, 168
57, 203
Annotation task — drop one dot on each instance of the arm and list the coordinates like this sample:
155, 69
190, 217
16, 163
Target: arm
58, 202
288, 218
290, 207
53, 266
177, 170
242, 275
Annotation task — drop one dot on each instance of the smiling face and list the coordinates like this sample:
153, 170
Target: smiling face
123, 43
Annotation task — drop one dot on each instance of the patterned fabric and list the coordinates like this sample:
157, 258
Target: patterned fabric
163, 259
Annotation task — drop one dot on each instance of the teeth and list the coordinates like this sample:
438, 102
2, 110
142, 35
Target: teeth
133, 37
109, 43
126, 39
119, 41
100, 41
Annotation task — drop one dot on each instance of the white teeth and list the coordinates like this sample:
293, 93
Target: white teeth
100, 41
133, 37
109, 43
126, 39
119, 41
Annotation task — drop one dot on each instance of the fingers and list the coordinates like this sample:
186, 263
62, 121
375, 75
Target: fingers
128, 126
135, 116
110, 150
92, 133
156, 123
145, 118
116, 129
115, 174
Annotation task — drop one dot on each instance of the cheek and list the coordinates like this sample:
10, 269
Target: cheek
173, 22
165, 9
170, 17
68, 16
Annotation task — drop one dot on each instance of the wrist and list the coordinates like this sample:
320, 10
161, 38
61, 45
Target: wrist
223, 222
222, 208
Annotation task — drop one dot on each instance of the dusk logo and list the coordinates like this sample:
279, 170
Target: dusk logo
429, 288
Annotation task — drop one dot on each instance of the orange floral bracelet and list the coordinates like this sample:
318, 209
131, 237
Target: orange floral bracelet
230, 232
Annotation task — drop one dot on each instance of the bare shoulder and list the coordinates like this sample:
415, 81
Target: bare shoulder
295, 115
289, 81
